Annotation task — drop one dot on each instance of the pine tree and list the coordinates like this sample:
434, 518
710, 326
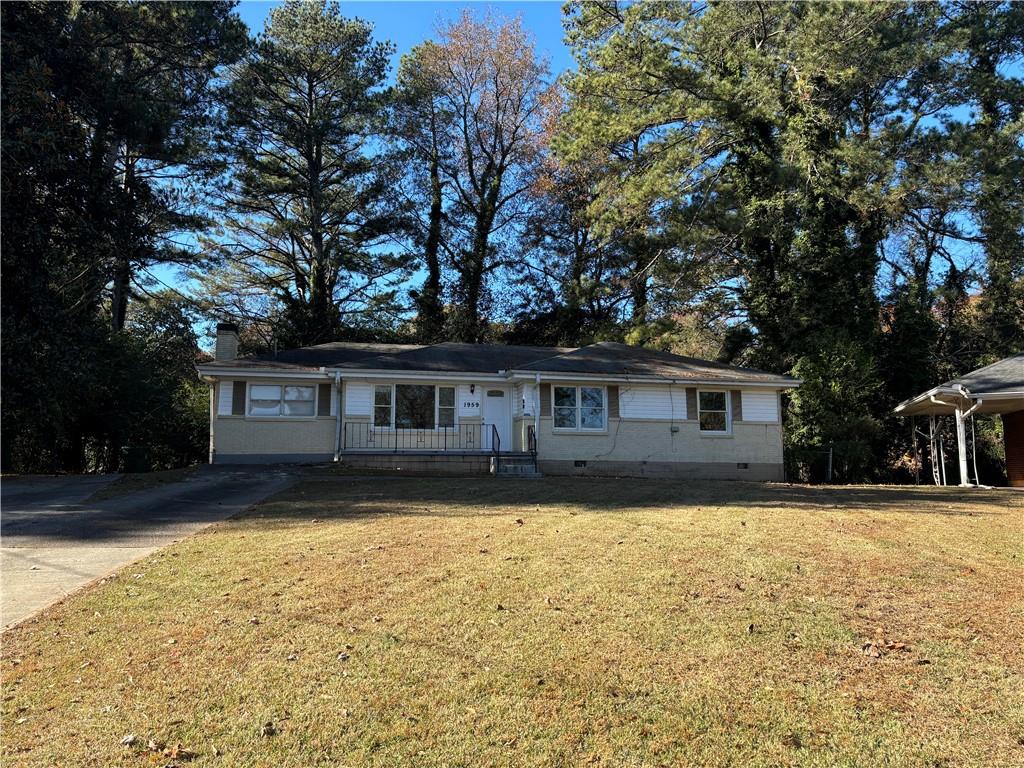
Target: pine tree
307, 209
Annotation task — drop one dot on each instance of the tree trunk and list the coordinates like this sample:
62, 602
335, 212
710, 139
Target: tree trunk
122, 279
121, 290
431, 310
471, 273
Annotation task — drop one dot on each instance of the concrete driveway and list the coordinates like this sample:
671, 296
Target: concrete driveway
54, 543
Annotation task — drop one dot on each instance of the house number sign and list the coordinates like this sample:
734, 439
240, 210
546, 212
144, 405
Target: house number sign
470, 404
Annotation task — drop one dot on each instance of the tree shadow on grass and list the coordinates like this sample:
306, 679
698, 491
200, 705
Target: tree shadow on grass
348, 496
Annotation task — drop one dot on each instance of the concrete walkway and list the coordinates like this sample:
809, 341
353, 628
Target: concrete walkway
54, 543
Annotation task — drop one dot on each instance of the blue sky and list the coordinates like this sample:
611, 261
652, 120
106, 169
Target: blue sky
409, 23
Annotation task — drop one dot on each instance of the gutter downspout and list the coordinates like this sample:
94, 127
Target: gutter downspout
337, 423
536, 410
213, 418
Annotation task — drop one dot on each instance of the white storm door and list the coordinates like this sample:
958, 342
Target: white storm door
497, 410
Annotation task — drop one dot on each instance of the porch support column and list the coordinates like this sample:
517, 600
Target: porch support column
961, 445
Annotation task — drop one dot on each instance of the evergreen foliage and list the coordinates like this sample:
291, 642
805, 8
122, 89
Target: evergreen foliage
832, 190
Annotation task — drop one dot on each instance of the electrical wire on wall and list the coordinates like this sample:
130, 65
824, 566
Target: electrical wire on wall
618, 424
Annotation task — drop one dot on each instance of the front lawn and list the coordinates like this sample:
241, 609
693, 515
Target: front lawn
469, 622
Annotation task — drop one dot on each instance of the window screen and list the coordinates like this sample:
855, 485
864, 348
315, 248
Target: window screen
591, 408
446, 406
299, 401
382, 406
579, 407
565, 407
265, 400
713, 412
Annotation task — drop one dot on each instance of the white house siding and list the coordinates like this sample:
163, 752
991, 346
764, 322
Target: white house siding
469, 402
224, 390
666, 403
760, 406
358, 398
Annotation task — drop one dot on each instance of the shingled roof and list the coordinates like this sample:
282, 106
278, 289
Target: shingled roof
999, 387
604, 358
1004, 376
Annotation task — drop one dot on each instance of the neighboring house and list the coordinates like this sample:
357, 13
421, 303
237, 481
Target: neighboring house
603, 409
995, 389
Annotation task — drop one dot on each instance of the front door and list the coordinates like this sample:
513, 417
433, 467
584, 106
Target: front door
497, 411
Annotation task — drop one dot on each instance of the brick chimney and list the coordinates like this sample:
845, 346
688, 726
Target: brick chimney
227, 342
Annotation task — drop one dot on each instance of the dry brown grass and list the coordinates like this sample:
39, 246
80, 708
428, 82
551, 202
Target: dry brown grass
386, 621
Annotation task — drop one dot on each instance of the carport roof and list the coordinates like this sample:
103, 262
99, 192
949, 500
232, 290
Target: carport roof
602, 359
1000, 387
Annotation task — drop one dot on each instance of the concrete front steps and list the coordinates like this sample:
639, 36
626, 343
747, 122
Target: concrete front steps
518, 465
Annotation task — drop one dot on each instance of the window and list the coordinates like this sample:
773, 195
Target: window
579, 408
299, 401
713, 411
591, 408
565, 407
277, 400
264, 400
446, 406
413, 406
382, 406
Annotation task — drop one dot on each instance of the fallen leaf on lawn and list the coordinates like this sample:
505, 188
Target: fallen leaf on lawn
267, 729
254, 620
750, 629
177, 752
520, 521
292, 657
872, 650
129, 740
342, 657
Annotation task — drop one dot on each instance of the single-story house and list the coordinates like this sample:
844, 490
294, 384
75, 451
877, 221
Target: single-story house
994, 389
602, 409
